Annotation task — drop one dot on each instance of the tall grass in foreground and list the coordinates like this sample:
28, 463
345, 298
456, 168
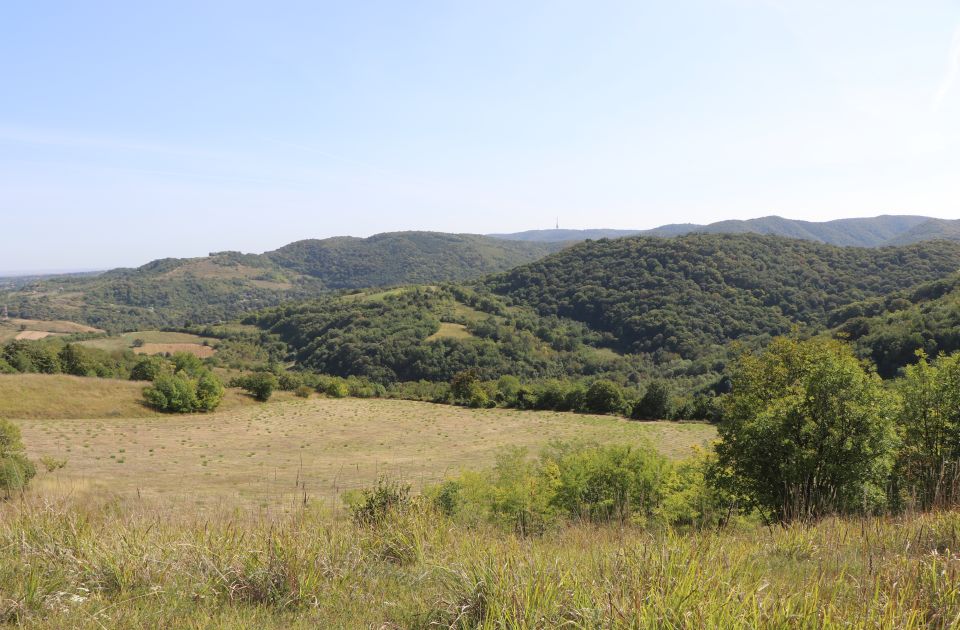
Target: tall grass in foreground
97, 563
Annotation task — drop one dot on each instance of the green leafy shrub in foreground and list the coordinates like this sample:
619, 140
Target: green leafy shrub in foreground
16, 470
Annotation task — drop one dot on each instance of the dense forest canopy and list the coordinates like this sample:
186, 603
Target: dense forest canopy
688, 294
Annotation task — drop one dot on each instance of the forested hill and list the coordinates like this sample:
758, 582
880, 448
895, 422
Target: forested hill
225, 285
687, 294
404, 258
861, 232
889, 330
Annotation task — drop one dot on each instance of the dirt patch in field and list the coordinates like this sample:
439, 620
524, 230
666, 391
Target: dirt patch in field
56, 326
34, 335
195, 349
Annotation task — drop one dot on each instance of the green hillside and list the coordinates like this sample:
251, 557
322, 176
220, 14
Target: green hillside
890, 330
688, 294
225, 285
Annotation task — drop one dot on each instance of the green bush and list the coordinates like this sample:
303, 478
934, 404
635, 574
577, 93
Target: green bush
604, 483
603, 396
655, 404
16, 470
303, 391
807, 431
149, 368
179, 393
260, 385
209, 391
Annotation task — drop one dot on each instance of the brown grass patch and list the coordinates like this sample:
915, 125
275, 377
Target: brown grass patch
59, 396
450, 331
257, 454
34, 335
195, 349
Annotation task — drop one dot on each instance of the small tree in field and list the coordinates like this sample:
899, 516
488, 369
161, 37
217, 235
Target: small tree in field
655, 404
16, 470
807, 431
260, 385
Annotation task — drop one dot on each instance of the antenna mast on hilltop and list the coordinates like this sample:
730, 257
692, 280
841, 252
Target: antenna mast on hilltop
558, 223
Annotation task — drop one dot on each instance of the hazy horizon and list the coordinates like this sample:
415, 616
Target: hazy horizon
135, 132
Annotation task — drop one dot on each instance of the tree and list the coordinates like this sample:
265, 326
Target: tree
463, 384
603, 396
16, 470
655, 404
149, 368
929, 462
209, 391
260, 385
807, 431
173, 393
74, 361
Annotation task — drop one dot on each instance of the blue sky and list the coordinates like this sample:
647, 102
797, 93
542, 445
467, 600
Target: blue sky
131, 131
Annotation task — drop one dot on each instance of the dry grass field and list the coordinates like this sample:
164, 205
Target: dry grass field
450, 331
255, 455
14, 328
59, 397
155, 342
195, 349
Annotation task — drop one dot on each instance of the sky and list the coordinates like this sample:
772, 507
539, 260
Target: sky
131, 131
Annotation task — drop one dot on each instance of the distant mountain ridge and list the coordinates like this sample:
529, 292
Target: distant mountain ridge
880, 231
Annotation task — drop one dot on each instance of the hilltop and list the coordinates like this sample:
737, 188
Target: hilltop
878, 231
224, 285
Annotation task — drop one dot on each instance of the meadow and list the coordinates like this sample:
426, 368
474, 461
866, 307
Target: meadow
271, 455
90, 560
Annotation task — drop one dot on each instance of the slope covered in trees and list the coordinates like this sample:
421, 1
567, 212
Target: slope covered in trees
225, 285
889, 330
688, 294
862, 232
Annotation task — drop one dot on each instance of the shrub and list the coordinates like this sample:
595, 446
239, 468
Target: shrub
209, 391
655, 404
377, 503
334, 387
303, 391
260, 385
464, 385
604, 483
73, 360
178, 393
807, 431
172, 393
603, 396
149, 368
16, 470
929, 463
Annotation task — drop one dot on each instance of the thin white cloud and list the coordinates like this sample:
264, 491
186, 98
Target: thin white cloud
953, 71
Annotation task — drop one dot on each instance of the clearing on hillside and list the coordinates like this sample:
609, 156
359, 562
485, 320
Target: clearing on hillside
195, 349
269, 455
32, 329
151, 338
450, 331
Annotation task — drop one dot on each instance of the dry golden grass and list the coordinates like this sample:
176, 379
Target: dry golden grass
450, 331
34, 335
125, 341
11, 328
255, 455
58, 396
195, 349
